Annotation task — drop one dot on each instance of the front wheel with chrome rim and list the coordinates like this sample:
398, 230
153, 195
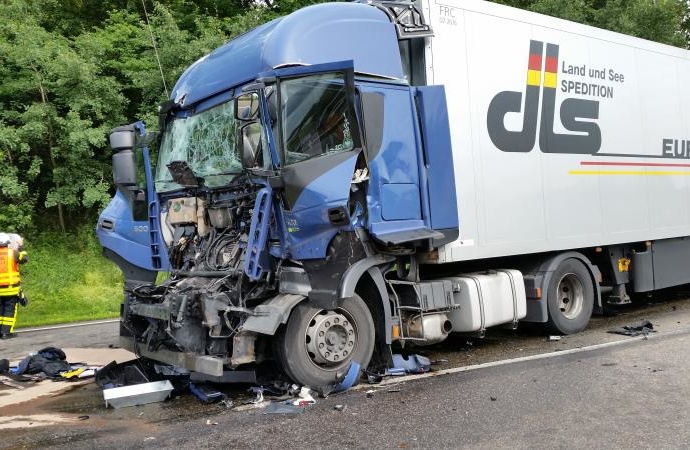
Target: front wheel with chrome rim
317, 346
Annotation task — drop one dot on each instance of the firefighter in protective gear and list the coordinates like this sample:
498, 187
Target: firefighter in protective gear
11, 255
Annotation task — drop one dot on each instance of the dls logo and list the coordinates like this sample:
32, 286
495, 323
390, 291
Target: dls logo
572, 110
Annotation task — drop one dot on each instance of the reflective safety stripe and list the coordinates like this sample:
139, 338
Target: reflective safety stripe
9, 272
10, 321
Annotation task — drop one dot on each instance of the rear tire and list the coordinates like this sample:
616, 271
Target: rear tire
316, 346
570, 297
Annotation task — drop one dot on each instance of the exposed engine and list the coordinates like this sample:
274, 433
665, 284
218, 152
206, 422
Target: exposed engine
200, 307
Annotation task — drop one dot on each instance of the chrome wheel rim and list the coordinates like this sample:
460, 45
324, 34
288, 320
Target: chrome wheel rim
330, 338
571, 296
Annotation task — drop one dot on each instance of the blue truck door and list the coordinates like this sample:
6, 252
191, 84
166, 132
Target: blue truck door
320, 145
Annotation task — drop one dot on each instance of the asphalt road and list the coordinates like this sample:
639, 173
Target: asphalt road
512, 390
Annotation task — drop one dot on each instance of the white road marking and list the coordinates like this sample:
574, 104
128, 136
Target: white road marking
504, 362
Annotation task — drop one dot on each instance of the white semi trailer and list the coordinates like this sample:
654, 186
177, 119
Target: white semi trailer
356, 175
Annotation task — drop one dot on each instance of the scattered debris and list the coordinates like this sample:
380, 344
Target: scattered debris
84, 417
208, 422
350, 379
249, 406
410, 364
304, 397
611, 364
554, 338
439, 361
643, 327
493, 399
138, 394
340, 407
124, 374
259, 391
283, 408
49, 360
7, 381
370, 393
206, 393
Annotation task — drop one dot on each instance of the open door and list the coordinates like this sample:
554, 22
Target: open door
320, 143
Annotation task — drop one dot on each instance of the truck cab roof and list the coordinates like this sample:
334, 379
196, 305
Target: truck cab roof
317, 34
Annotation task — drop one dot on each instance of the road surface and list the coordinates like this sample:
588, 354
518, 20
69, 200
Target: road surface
511, 390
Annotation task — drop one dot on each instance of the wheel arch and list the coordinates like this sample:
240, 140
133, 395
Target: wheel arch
365, 279
540, 277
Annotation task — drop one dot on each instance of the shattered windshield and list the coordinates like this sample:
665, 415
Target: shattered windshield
207, 142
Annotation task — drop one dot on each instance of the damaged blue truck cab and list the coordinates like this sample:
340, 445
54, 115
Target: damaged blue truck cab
299, 171
357, 176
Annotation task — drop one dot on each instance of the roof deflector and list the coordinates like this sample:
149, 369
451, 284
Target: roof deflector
407, 18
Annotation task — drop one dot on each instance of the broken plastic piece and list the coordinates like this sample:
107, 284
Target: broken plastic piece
411, 363
123, 374
643, 327
206, 393
304, 397
554, 338
350, 379
283, 408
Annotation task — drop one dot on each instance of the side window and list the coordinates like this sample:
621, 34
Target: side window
314, 117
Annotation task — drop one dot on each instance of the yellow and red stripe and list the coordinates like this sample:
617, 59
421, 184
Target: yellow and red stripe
536, 49
551, 66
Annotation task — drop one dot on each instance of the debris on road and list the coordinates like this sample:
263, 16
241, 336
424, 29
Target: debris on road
410, 364
283, 408
206, 393
304, 397
138, 394
554, 338
340, 407
643, 327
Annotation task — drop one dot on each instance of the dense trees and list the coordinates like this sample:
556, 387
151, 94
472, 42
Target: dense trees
73, 69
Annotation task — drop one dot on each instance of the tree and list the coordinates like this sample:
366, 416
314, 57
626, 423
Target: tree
55, 109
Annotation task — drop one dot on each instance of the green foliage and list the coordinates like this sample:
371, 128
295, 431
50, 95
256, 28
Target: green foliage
665, 21
67, 279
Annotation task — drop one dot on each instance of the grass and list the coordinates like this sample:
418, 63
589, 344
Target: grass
67, 280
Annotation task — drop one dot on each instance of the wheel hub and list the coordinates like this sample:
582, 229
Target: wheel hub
331, 338
570, 296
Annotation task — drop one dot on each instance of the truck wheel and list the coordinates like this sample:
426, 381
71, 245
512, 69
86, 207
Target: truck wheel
317, 345
570, 297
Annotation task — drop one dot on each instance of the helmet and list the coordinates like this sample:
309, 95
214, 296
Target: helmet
4, 239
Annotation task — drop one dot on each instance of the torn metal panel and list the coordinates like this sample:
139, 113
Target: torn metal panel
268, 316
138, 394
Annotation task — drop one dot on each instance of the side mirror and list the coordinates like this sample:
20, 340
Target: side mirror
124, 169
247, 106
122, 138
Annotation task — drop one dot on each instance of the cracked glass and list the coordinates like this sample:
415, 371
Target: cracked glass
207, 141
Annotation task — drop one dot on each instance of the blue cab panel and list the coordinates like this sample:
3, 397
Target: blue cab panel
316, 34
433, 116
117, 231
309, 229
